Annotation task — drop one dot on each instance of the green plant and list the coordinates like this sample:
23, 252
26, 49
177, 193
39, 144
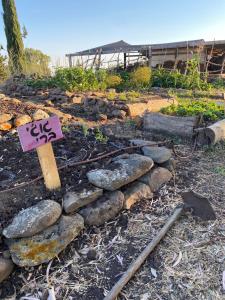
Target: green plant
132, 95
220, 170
3, 68
122, 97
141, 77
219, 83
111, 96
36, 62
100, 137
85, 130
209, 110
13, 36
113, 80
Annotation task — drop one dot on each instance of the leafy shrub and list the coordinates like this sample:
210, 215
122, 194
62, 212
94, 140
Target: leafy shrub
141, 77
113, 81
122, 96
36, 62
111, 96
132, 95
3, 68
219, 83
174, 79
209, 110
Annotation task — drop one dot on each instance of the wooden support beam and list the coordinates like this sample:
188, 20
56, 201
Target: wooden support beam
124, 61
70, 61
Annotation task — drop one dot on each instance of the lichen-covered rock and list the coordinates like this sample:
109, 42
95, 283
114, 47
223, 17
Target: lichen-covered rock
104, 209
156, 178
5, 118
22, 120
120, 172
46, 245
6, 268
40, 114
33, 219
135, 192
158, 154
74, 200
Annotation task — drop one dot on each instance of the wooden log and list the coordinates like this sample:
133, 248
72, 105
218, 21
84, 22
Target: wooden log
144, 254
212, 134
173, 125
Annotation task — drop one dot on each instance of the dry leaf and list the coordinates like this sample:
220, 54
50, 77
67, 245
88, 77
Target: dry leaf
153, 271
178, 259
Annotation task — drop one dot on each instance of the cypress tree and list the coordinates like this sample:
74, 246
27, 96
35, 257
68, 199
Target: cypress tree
13, 35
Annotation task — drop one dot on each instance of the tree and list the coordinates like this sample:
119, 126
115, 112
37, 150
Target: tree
13, 35
36, 62
3, 68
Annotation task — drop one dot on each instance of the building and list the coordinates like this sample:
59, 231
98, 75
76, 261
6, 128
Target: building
169, 55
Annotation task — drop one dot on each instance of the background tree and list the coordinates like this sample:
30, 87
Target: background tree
36, 62
3, 68
14, 37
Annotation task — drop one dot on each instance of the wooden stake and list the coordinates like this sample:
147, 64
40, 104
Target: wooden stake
48, 166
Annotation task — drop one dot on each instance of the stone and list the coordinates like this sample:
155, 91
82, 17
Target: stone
46, 245
6, 268
16, 101
158, 154
22, 120
104, 209
5, 118
156, 178
76, 100
40, 114
34, 219
116, 113
139, 142
102, 117
2, 96
120, 172
169, 165
75, 200
6, 126
135, 192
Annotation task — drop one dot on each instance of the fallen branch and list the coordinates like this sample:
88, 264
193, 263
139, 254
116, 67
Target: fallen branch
142, 257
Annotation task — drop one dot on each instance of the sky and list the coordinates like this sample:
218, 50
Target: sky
58, 27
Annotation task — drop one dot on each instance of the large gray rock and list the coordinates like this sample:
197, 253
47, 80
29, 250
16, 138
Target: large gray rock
6, 268
158, 154
120, 172
33, 219
135, 192
156, 178
104, 209
75, 200
46, 245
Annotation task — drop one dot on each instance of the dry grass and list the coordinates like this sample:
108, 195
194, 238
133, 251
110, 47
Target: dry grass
188, 263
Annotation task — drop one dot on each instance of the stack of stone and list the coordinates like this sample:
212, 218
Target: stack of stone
41, 232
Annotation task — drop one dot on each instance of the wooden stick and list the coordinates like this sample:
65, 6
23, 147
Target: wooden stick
48, 166
144, 254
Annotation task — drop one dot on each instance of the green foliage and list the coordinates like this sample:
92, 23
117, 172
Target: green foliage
36, 62
209, 110
111, 96
132, 95
220, 170
122, 97
113, 81
3, 68
85, 130
141, 77
174, 79
40, 82
14, 37
219, 84
100, 137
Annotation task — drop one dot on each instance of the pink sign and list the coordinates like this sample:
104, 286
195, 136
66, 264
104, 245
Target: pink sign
37, 133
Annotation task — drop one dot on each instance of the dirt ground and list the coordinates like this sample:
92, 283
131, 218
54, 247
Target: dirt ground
188, 263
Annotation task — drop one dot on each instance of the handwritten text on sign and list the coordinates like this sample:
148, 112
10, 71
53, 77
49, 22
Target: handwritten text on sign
35, 134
